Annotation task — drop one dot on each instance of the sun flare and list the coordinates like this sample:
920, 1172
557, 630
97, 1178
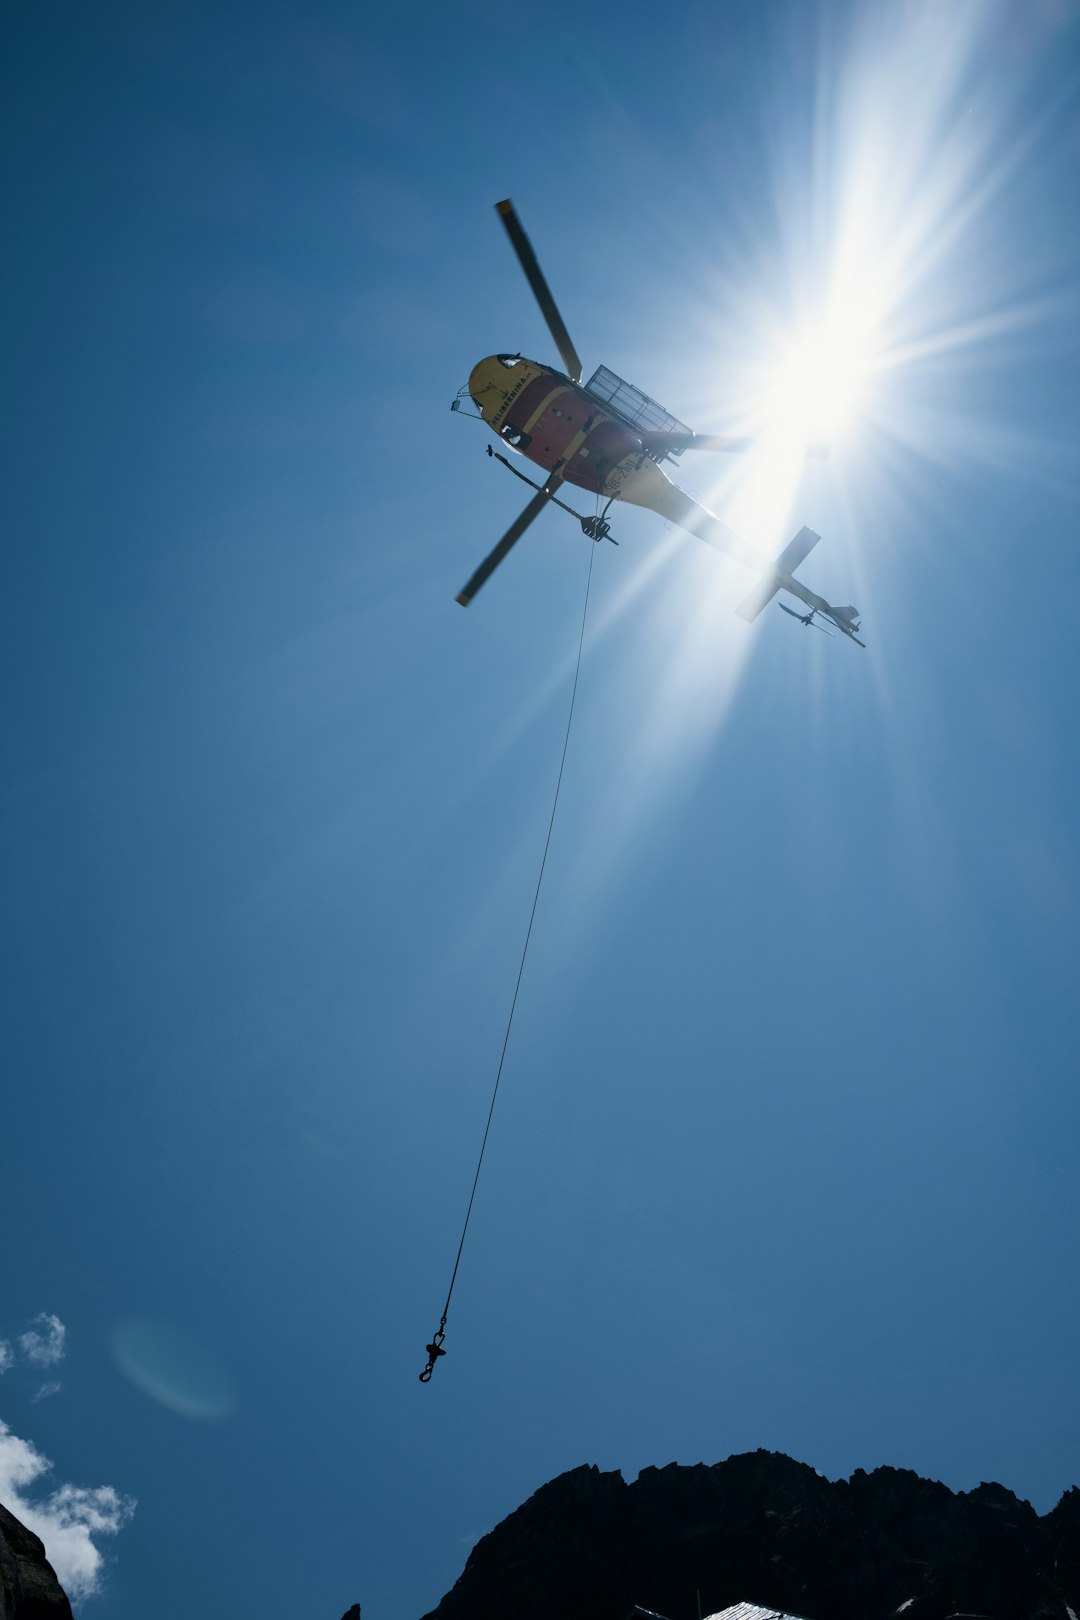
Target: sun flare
820, 379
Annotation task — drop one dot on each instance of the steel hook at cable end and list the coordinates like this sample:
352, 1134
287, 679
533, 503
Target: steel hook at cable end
434, 1350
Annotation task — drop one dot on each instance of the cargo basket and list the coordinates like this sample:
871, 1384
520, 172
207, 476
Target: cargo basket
636, 409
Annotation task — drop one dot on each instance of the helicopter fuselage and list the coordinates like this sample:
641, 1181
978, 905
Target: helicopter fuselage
556, 423
561, 427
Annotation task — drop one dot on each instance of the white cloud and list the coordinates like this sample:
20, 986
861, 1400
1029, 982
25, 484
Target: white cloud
45, 1348
67, 1521
43, 1391
7, 1355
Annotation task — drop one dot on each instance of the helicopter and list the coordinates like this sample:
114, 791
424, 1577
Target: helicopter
609, 438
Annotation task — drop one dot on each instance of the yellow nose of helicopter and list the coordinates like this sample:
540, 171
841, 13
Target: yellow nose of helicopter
488, 384
496, 381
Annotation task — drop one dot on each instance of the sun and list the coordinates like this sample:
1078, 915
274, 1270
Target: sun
819, 379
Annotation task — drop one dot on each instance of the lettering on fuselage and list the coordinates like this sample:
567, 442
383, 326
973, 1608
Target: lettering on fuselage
509, 398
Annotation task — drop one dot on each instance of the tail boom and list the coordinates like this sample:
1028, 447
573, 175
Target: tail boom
648, 486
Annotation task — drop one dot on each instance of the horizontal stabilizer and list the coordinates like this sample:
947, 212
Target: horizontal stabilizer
797, 550
787, 562
760, 597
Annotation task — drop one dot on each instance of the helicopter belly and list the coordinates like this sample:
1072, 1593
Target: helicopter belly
607, 455
539, 412
558, 426
547, 418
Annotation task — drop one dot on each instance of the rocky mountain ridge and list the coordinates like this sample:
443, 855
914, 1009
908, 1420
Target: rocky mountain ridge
763, 1528
29, 1589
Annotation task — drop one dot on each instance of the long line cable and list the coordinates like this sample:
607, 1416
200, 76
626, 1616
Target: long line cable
435, 1348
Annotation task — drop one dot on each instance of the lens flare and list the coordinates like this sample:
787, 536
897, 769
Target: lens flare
820, 379
174, 1369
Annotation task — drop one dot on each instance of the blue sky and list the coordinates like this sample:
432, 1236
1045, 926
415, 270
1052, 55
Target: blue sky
785, 1152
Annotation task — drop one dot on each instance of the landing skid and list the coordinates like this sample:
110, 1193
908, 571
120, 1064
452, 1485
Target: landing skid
596, 528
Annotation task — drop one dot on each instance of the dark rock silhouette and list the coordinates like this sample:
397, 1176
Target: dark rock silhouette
353, 1613
765, 1529
29, 1589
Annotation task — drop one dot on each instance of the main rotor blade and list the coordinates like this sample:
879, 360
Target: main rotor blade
508, 541
541, 291
678, 442
704, 441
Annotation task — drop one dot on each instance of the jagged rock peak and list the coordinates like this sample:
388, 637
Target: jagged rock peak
764, 1528
29, 1589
